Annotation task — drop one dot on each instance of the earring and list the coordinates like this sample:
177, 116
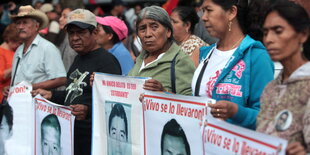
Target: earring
301, 48
229, 26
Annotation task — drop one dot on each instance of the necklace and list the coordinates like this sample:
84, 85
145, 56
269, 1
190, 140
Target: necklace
232, 47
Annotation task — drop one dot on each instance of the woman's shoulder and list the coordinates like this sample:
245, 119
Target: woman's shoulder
192, 43
195, 40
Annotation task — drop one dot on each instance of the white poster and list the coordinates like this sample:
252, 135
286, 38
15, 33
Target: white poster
172, 124
221, 137
54, 128
17, 129
117, 115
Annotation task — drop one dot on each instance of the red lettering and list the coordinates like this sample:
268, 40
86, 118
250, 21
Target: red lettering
214, 138
150, 105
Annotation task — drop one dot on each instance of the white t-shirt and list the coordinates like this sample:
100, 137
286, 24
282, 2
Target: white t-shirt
217, 62
143, 64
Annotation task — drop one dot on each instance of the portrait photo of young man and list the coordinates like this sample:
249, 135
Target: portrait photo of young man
118, 131
173, 140
51, 136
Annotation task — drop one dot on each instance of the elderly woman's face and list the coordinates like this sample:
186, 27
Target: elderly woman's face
280, 38
153, 35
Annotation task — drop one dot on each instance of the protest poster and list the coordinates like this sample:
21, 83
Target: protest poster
221, 137
171, 123
20, 113
117, 114
54, 128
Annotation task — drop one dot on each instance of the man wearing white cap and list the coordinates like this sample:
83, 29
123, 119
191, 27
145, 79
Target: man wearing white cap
37, 60
82, 31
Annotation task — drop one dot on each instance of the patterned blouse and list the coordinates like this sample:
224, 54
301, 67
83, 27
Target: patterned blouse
190, 44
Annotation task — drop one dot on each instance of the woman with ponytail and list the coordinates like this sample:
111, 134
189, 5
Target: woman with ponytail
285, 103
235, 70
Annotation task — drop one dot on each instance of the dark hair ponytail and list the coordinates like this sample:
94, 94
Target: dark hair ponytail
249, 16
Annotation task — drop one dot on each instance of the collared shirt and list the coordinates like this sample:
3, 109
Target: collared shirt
123, 56
41, 62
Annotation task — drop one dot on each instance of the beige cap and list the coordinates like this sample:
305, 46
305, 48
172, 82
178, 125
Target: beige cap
82, 18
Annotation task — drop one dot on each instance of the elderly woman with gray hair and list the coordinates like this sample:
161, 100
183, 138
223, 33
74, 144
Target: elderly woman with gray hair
162, 59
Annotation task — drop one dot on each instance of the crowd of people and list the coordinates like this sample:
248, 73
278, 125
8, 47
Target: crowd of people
230, 59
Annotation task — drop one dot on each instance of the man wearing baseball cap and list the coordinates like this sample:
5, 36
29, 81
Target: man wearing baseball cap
82, 31
112, 31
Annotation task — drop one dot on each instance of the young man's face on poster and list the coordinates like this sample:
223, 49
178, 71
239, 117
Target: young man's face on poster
50, 144
118, 136
173, 145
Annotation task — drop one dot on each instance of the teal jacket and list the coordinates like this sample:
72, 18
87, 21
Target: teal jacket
160, 70
243, 80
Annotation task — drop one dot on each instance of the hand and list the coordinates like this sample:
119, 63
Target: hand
153, 85
141, 97
44, 93
79, 111
5, 91
295, 148
91, 79
223, 109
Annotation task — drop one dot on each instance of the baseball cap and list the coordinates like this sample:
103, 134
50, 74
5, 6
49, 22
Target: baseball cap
81, 18
117, 25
